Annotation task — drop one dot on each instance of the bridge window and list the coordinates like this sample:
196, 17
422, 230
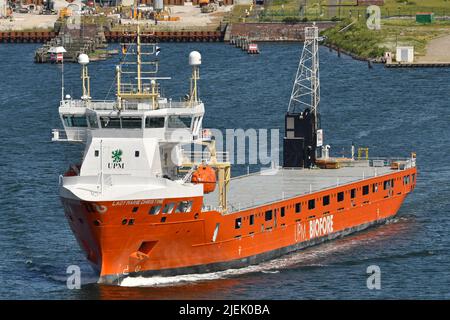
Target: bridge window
92, 118
326, 200
168, 208
353, 193
110, 122
252, 219
154, 210
340, 196
183, 206
75, 121
268, 215
131, 123
238, 223
311, 204
282, 212
154, 122
179, 122
298, 207
387, 184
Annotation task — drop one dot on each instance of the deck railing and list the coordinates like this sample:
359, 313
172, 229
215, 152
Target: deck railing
402, 164
204, 156
74, 135
125, 105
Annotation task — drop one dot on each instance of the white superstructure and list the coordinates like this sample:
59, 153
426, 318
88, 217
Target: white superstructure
133, 144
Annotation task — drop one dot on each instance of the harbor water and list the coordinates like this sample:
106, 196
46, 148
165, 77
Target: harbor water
393, 112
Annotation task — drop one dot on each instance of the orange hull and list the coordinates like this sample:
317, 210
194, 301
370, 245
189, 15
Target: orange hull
121, 238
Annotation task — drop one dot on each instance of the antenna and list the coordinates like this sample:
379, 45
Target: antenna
302, 134
306, 89
195, 60
138, 48
83, 59
132, 76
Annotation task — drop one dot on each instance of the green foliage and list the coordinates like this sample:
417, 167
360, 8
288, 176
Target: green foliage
291, 19
357, 39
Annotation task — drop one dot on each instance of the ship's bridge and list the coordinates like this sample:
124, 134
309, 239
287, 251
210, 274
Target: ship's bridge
140, 134
170, 121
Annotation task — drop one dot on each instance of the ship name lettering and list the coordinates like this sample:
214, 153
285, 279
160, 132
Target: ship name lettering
320, 227
245, 309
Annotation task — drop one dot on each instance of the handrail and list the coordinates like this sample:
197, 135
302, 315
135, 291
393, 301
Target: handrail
409, 163
125, 105
204, 156
73, 135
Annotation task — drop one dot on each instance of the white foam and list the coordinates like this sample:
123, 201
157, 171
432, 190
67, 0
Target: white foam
161, 281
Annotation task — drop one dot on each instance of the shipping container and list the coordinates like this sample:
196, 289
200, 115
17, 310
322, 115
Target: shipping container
425, 17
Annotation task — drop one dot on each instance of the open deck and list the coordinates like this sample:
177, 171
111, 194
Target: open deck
264, 187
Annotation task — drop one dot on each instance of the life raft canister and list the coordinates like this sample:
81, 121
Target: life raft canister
205, 175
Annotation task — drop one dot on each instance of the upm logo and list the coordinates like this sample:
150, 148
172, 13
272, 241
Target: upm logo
117, 163
320, 227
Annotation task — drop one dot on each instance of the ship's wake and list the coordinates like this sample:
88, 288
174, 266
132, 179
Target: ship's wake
314, 257
308, 258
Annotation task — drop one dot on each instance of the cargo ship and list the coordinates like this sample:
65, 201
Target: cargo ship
139, 203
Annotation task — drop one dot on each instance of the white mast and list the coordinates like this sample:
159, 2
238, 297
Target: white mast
83, 60
195, 60
306, 89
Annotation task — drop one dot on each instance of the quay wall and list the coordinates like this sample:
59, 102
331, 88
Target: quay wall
162, 36
255, 31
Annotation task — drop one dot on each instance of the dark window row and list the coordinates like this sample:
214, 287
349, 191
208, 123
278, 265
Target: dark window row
180, 207
341, 195
268, 215
126, 122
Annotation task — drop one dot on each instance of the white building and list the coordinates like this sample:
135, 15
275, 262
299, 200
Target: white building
2, 8
405, 54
